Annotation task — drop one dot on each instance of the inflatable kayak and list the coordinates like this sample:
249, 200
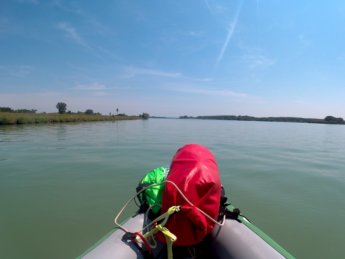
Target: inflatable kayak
237, 238
184, 213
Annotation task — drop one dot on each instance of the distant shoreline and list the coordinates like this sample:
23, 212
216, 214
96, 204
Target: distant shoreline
9, 118
326, 120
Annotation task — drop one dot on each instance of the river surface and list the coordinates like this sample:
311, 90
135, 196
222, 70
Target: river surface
62, 184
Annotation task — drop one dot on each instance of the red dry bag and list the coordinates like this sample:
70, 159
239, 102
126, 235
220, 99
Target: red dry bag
195, 172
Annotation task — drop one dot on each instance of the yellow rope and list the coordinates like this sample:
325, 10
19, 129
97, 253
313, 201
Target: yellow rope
179, 191
169, 237
165, 216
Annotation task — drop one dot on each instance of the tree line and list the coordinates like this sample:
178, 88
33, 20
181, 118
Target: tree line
8, 109
62, 109
327, 120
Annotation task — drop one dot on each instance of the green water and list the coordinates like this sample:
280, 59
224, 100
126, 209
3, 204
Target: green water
61, 185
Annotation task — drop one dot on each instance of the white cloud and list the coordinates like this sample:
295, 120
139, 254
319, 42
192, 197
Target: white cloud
72, 33
255, 57
16, 71
90, 87
202, 79
215, 8
67, 6
210, 92
194, 33
258, 61
304, 40
95, 90
221, 12
130, 72
231, 29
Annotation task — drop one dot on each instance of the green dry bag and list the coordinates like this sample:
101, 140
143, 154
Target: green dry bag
152, 196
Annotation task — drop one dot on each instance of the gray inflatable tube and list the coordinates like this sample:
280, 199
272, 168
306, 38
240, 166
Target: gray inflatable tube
235, 239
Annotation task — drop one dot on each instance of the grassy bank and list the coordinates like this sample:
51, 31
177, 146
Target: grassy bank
7, 118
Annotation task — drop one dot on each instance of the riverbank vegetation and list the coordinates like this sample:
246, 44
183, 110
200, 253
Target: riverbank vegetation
326, 120
35, 118
9, 116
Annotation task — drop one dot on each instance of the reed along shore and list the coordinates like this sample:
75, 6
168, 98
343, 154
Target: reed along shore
9, 118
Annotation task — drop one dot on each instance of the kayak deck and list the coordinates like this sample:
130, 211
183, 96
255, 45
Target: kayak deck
232, 240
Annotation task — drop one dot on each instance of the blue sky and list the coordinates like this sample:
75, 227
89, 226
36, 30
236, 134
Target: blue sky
172, 58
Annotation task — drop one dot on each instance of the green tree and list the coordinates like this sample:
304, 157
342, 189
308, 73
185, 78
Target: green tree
334, 120
26, 111
145, 116
89, 112
6, 109
61, 106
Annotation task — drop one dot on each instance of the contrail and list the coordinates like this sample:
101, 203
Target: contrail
231, 30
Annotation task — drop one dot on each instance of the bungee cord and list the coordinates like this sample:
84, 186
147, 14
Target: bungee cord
162, 217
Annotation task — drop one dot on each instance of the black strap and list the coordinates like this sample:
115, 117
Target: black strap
232, 214
142, 199
224, 211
